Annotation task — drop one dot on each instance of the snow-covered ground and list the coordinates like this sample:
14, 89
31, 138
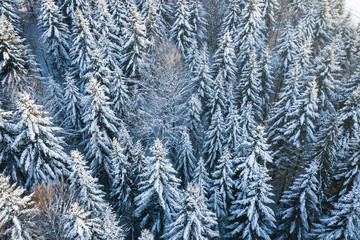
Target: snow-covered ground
354, 7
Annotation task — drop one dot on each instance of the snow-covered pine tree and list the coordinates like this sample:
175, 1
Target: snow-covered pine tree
203, 80
135, 44
159, 194
56, 34
38, 148
286, 53
185, 160
221, 191
279, 115
69, 7
252, 34
326, 71
18, 68
6, 139
121, 191
72, 106
100, 128
98, 68
307, 21
232, 18
250, 214
9, 8
232, 128
214, 140
268, 12
249, 87
325, 151
198, 21
343, 220
194, 58
182, 32
55, 98
348, 172
201, 178
82, 50
154, 22
300, 206
217, 99
105, 32
324, 26
81, 225
267, 82
146, 235
194, 220
195, 125
16, 211
299, 131
111, 228
224, 60
120, 13
119, 93
85, 187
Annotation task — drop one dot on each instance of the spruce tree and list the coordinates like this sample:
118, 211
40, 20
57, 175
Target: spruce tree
286, 53
18, 67
287, 98
135, 44
159, 193
300, 205
16, 211
195, 125
250, 214
224, 60
325, 151
154, 22
182, 32
105, 32
300, 129
119, 93
81, 225
72, 107
201, 178
203, 80
267, 81
121, 191
232, 18
250, 87
214, 140
38, 148
194, 220
222, 189
6, 139
269, 9
56, 35
252, 35
323, 26
343, 220
185, 161
9, 9
87, 191
100, 128
54, 101
198, 21
82, 50
327, 80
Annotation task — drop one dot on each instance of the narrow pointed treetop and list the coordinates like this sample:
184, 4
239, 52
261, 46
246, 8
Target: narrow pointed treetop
159, 197
39, 149
194, 220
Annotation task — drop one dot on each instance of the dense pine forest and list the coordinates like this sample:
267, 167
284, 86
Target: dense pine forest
179, 119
